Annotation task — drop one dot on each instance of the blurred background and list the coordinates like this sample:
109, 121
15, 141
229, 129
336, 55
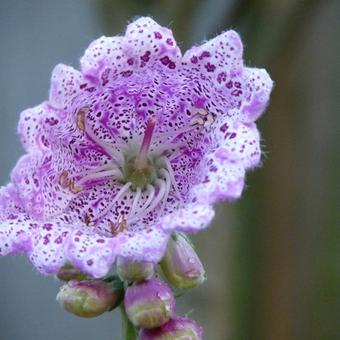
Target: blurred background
273, 257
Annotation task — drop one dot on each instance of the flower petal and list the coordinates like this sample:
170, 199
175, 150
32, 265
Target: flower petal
48, 253
15, 226
37, 178
103, 58
148, 43
216, 58
192, 218
147, 244
92, 253
258, 86
10, 203
222, 180
239, 143
145, 44
33, 127
15, 234
66, 83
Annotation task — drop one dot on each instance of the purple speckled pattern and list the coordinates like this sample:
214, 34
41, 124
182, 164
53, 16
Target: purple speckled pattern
68, 200
187, 328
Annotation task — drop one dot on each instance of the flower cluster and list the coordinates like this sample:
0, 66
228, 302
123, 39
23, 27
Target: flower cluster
134, 147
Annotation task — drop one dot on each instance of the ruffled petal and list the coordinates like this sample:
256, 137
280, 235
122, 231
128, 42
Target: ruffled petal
145, 45
190, 219
16, 234
34, 126
148, 43
16, 226
258, 86
217, 58
239, 143
92, 253
222, 180
147, 244
48, 247
104, 58
10, 203
44, 184
66, 83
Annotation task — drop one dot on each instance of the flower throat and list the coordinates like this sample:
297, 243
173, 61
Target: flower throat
141, 169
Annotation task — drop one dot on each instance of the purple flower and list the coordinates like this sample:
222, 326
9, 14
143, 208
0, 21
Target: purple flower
139, 143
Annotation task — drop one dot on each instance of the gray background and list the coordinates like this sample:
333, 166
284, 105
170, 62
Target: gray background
273, 257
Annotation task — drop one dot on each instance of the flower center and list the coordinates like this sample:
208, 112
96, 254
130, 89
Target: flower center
141, 169
144, 172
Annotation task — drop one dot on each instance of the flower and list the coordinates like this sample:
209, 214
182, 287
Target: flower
138, 144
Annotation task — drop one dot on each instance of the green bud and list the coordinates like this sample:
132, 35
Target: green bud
181, 265
89, 298
132, 271
68, 272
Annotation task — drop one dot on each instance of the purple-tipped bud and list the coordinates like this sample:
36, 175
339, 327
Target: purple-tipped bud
89, 298
181, 265
175, 329
149, 304
133, 271
68, 272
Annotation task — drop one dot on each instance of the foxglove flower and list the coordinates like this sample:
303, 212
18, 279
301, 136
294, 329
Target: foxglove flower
137, 144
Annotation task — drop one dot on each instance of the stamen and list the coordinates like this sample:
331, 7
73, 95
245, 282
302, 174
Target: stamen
175, 155
158, 199
100, 175
107, 149
67, 183
172, 176
108, 166
121, 192
81, 124
141, 161
175, 133
151, 194
167, 189
169, 146
120, 227
135, 201
80, 118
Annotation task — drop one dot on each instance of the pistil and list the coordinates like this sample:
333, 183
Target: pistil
141, 161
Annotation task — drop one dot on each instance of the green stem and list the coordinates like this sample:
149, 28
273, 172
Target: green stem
129, 331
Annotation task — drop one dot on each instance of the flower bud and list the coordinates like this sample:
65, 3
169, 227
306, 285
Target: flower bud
149, 304
181, 265
68, 272
89, 298
178, 328
132, 271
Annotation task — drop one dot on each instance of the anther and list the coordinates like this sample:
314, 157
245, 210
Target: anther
80, 118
